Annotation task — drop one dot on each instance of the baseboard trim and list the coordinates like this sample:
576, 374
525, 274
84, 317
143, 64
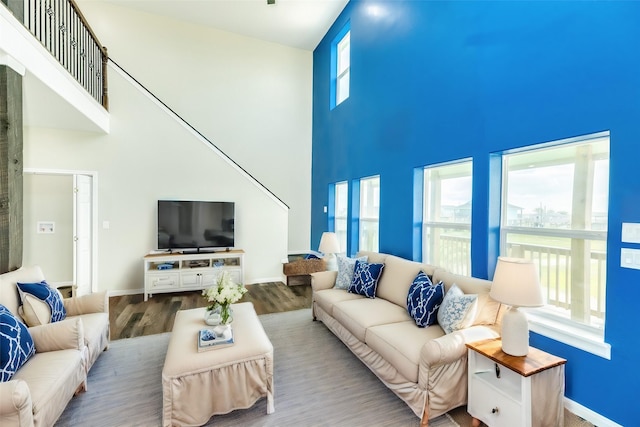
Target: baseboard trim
589, 415
119, 293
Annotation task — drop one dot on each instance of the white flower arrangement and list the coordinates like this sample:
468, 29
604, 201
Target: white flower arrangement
224, 292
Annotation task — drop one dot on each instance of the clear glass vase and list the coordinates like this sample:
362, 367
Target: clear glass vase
220, 314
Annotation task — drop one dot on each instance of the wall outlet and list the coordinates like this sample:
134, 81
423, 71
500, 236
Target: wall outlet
630, 258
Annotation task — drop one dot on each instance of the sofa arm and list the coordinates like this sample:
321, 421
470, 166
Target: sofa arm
63, 335
450, 348
16, 408
92, 303
323, 280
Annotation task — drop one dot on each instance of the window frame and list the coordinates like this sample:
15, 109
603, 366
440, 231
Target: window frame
343, 240
429, 225
368, 219
549, 320
340, 42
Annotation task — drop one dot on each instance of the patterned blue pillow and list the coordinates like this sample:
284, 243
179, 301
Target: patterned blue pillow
46, 297
424, 299
16, 344
457, 311
365, 279
345, 271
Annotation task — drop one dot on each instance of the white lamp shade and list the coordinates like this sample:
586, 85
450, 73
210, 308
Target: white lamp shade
516, 283
329, 243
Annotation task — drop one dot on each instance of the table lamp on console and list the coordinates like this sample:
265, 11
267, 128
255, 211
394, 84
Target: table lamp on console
330, 246
516, 283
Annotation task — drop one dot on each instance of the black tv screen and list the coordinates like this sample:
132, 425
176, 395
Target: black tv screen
195, 225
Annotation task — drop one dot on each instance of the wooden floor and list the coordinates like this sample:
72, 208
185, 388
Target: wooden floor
131, 317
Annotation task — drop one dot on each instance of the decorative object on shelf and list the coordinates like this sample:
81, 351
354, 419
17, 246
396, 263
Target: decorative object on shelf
516, 283
220, 297
330, 246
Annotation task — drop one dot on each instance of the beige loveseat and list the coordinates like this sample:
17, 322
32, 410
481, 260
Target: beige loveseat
423, 366
40, 390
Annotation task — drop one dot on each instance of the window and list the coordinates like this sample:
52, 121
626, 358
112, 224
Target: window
340, 213
446, 226
554, 211
344, 67
369, 214
340, 66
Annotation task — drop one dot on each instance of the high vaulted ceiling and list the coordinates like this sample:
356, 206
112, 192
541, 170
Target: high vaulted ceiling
296, 23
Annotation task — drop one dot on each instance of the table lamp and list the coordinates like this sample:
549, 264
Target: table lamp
516, 283
330, 246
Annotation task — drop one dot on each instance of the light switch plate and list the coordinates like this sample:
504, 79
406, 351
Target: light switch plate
630, 232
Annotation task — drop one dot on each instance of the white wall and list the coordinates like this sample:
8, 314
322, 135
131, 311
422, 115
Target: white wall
146, 157
49, 198
253, 99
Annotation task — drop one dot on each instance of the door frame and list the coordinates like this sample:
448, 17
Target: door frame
94, 215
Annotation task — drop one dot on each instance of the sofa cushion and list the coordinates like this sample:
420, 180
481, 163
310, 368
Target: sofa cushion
96, 334
400, 345
8, 285
326, 298
53, 378
358, 315
41, 303
346, 266
397, 278
424, 299
365, 278
16, 344
457, 311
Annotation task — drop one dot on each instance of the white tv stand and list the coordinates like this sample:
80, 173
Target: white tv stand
189, 272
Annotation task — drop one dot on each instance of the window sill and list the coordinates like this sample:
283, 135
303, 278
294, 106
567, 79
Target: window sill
569, 334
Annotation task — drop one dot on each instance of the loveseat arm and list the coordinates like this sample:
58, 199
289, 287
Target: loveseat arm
16, 408
323, 280
63, 335
92, 303
451, 347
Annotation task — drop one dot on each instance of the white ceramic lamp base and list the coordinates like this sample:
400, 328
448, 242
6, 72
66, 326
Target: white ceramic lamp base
515, 333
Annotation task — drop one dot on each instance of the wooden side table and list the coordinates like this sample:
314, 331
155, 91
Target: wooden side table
509, 391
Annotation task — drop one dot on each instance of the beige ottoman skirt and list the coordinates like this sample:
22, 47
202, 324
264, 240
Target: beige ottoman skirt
197, 385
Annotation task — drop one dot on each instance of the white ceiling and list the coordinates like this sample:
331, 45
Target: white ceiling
296, 23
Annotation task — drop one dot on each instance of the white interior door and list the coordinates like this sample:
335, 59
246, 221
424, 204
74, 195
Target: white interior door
82, 211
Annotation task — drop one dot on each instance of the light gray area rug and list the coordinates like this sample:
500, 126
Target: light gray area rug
318, 382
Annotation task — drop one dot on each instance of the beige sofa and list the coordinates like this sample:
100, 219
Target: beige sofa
65, 351
425, 367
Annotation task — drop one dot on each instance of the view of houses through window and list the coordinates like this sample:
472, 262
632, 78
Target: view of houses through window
340, 213
554, 211
369, 213
446, 227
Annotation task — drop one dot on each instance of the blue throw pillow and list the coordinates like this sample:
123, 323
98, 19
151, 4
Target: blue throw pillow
365, 279
424, 299
44, 296
16, 344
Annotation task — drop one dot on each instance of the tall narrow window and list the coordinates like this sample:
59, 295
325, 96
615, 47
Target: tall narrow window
369, 213
344, 68
554, 211
446, 228
340, 213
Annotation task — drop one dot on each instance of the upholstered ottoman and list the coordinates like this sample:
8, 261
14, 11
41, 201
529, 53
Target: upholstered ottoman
197, 385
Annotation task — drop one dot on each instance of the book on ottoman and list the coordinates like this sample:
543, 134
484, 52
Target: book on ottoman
209, 339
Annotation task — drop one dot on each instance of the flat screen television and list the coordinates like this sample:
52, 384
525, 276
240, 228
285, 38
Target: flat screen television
195, 226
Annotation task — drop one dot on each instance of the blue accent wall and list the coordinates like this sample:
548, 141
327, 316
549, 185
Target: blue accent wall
435, 81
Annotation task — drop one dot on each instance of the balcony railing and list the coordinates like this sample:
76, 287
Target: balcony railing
554, 265
62, 29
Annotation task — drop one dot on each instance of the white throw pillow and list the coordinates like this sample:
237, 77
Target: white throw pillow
458, 310
346, 267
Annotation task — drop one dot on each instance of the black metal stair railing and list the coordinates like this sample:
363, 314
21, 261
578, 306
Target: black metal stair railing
62, 29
